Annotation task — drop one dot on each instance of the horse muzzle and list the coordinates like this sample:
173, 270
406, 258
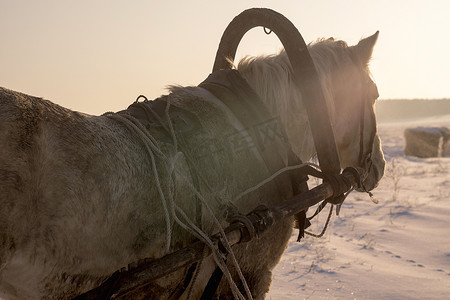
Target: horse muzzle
374, 167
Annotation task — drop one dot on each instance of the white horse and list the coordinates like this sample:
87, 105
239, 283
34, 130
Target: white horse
82, 196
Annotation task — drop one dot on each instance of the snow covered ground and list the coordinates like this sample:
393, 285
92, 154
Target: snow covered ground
397, 249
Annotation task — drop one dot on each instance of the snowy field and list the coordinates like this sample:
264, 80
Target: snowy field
397, 249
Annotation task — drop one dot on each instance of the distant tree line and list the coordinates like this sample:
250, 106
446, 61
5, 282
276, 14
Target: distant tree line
409, 109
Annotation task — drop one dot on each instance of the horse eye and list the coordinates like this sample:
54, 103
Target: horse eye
373, 91
376, 94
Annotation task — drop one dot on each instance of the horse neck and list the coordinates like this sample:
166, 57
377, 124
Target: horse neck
271, 78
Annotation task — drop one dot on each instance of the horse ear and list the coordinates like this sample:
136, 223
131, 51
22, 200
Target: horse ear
364, 48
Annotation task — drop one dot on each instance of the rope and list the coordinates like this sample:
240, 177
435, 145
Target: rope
130, 123
226, 243
204, 202
318, 210
151, 146
324, 227
341, 189
169, 129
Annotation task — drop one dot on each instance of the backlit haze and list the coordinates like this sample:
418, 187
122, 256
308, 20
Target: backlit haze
97, 56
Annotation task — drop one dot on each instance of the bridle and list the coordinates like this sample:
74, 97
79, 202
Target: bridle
365, 153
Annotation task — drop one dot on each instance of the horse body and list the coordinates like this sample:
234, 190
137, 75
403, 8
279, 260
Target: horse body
79, 197
60, 170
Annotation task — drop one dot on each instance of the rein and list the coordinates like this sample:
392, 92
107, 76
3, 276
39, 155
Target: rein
365, 155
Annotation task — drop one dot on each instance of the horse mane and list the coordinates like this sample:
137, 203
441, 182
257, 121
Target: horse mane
272, 77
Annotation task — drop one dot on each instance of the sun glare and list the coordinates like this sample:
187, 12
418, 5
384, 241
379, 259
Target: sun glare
98, 56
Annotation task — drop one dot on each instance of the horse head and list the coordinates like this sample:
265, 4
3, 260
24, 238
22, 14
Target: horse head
350, 95
354, 94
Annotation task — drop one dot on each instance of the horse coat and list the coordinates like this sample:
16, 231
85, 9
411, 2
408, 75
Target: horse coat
216, 153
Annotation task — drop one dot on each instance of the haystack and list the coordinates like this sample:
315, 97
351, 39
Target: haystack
427, 141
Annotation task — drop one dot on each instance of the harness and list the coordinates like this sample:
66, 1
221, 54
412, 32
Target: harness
234, 91
236, 94
244, 103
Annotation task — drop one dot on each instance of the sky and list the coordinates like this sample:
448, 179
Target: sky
98, 55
